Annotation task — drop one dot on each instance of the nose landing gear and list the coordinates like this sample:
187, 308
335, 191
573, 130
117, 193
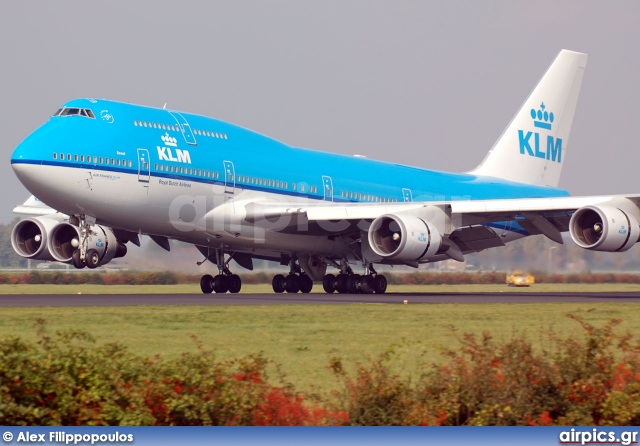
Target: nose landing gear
82, 256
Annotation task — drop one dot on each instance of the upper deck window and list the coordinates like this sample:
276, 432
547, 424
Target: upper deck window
72, 111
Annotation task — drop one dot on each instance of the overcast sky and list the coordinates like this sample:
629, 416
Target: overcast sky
426, 83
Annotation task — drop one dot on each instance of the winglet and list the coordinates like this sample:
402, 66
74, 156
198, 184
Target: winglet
534, 145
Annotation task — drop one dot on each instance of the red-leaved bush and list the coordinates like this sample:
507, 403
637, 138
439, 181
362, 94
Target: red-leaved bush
590, 380
66, 379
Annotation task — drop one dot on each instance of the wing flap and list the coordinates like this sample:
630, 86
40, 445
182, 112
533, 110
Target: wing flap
475, 238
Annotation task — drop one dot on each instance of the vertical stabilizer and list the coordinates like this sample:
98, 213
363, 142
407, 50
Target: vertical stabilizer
534, 145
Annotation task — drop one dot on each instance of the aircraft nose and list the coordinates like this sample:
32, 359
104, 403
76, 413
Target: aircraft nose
26, 158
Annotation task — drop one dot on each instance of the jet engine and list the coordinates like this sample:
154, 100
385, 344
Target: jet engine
405, 238
65, 238
29, 237
604, 228
45, 238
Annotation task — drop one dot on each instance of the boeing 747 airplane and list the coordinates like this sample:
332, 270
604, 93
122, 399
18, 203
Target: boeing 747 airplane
105, 172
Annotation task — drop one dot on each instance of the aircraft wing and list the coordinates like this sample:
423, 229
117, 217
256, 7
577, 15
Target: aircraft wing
468, 220
470, 211
33, 206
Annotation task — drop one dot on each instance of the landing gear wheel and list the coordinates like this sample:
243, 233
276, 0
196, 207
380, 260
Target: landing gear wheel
76, 260
380, 284
366, 285
220, 284
306, 284
353, 283
206, 284
92, 258
329, 283
235, 283
278, 283
341, 283
292, 283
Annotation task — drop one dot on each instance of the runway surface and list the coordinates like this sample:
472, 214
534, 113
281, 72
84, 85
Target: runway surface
119, 300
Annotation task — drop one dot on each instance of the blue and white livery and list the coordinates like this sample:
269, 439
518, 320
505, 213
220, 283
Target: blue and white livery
105, 172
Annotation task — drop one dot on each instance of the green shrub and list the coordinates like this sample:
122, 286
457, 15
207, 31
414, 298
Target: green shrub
66, 379
376, 396
589, 380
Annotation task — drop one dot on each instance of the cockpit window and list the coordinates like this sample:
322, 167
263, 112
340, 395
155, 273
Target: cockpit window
72, 111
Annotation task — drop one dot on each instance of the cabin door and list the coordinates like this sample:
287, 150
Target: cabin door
327, 184
144, 166
184, 127
229, 177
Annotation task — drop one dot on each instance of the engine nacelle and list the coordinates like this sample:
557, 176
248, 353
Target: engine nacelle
29, 237
65, 238
45, 238
604, 228
404, 238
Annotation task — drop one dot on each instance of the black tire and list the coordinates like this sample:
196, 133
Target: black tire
329, 283
306, 284
220, 284
92, 259
353, 283
380, 284
235, 283
206, 284
366, 285
75, 259
292, 283
341, 283
278, 283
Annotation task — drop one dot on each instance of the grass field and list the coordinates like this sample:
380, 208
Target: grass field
252, 289
302, 338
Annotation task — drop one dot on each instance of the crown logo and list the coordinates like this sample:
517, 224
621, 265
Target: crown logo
542, 118
169, 141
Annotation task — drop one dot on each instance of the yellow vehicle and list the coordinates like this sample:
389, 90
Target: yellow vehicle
520, 278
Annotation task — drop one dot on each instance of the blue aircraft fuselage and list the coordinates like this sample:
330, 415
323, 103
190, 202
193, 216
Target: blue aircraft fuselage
173, 147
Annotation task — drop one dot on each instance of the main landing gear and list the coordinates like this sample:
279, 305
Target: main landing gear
225, 281
349, 283
295, 281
